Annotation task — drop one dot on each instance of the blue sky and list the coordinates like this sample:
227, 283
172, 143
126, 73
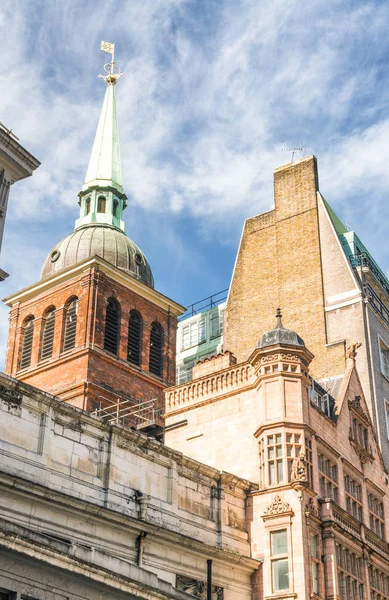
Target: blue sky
213, 91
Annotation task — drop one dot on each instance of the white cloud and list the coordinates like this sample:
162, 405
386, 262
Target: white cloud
213, 91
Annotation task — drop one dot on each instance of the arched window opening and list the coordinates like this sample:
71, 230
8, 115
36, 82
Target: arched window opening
134, 338
28, 336
87, 206
115, 208
156, 344
101, 203
69, 338
48, 334
111, 334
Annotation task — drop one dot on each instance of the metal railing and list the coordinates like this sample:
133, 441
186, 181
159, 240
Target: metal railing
376, 303
362, 259
204, 304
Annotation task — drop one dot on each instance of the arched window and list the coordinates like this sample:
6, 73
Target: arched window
69, 338
134, 338
115, 208
101, 203
87, 206
111, 334
48, 334
156, 344
28, 336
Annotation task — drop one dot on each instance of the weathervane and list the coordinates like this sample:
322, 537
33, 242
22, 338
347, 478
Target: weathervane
112, 70
302, 149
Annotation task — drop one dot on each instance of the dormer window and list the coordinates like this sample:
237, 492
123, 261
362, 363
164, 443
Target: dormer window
115, 208
101, 204
87, 206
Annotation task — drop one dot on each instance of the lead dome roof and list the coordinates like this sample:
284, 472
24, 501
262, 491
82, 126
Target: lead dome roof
280, 335
109, 243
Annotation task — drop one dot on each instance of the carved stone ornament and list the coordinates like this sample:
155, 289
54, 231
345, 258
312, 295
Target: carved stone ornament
277, 507
270, 358
299, 468
10, 396
198, 588
290, 357
351, 351
355, 405
310, 509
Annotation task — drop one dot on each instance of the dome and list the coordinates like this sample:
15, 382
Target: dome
109, 243
280, 335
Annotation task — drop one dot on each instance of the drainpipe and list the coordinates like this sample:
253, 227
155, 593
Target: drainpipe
209, 579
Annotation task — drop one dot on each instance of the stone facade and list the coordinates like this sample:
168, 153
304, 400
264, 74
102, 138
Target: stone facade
319, 520
87, 375
292, 257
15, 164
91, 510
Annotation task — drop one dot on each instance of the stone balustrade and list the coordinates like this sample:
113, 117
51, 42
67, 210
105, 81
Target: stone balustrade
220, 383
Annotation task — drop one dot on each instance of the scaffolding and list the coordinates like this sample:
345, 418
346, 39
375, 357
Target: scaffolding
143, 416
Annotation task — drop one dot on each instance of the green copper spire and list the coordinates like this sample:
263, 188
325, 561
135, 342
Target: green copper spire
104, 164
102, 199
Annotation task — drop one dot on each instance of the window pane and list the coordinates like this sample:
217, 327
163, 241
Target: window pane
280, 575
272, 474
315, 577
280, 471
279, 542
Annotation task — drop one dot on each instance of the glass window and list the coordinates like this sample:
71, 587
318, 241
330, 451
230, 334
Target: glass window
193, 334
275, 459
279, 542
376, 515
280, 562
384, 359
216, 322
353, 493
328, 478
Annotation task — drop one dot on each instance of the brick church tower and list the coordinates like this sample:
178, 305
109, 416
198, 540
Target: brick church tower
94, 331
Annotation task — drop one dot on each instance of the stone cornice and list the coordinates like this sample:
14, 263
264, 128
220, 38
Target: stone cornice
114, 272
23, 163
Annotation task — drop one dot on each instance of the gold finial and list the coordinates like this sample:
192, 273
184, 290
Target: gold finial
112, 70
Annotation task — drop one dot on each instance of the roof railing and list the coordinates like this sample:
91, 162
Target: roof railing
363, 259
204, 304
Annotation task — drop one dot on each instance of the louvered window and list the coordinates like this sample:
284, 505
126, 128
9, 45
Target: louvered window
69, 338
111, 334
156, 342
48, 334
115, 208
28, 336
87, 206
134, 338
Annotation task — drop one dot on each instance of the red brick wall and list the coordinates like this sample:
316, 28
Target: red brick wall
86, 372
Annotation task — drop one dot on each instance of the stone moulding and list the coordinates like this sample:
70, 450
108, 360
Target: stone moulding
277, 507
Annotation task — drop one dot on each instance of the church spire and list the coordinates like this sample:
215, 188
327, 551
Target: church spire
102, 198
